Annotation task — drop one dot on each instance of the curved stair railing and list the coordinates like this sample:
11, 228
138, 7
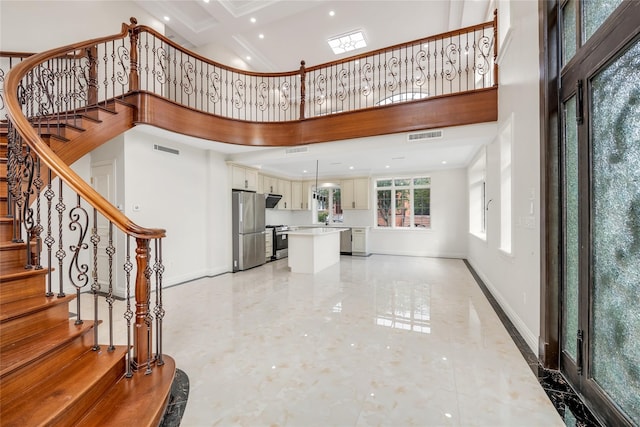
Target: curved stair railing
45, 95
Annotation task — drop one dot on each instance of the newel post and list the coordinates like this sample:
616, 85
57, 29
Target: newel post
142, 327
303, 88
495, 47
134, 80
92, 60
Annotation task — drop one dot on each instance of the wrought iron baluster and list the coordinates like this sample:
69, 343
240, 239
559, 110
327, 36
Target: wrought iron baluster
128, 314
49, 194
60, 253
159, 312
110, 250
95, 285
78, 272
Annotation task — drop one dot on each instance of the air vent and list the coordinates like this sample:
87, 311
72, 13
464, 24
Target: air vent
166, 149
422, 136
295, 150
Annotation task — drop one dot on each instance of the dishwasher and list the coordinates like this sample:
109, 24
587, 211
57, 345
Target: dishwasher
345, 242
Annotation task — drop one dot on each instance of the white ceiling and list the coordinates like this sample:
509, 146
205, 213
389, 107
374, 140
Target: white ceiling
296, 30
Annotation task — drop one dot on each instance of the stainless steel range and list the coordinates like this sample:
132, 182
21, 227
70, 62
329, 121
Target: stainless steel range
280, 240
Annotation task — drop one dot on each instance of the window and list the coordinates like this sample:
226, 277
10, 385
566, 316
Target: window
477, 195
505, 185
328, 205
403, 202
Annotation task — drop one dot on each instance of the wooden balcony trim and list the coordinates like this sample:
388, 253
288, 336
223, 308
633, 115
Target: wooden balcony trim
459, 109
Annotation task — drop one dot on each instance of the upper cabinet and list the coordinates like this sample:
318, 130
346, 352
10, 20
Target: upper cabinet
300, 195
269, 184
284, 188
354, 193
243, 178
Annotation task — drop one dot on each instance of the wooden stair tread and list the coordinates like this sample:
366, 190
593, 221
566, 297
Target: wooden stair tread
73, 388
23, 352
134, 401
24, 307
21, 274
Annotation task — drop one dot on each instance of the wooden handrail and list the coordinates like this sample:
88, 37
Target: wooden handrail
48, 157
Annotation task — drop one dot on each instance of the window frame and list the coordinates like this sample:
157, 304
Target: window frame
393, 188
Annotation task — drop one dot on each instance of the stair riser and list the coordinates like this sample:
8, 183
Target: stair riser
6, 231
3, 185
23, 327
18, 289
3, 206
14, 258
18, 382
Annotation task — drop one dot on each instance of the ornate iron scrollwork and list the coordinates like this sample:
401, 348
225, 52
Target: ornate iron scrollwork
285, 96
262, 96
367, 78
79, 221
421, 59
484, 46
186, 82
123, 62
392, 71
320, 89
213, 87
238, 89
451, 53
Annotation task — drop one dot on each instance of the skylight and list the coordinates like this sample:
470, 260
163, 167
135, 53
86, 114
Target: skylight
347, 42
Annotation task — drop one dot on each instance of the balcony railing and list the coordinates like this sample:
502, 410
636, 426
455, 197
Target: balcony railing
445, 64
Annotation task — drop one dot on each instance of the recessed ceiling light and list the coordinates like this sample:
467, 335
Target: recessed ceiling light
166, 18
253, 20
444, 162
206, 1
347, 42
248, 58
304, 171
332, 13
261, 36
351, 167
387, 166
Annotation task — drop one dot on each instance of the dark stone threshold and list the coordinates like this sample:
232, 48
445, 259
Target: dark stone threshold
177, 400
567, 402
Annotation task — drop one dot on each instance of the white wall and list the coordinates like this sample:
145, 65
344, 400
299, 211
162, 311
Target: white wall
36, 26
187, 195
514, 279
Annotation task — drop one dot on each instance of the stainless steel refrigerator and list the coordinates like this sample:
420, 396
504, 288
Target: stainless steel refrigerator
248, 230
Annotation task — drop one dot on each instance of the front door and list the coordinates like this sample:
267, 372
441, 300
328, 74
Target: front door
600, 186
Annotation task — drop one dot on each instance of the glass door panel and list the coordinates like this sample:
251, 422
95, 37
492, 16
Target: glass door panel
572, 248
594, 13
568, 31
614, 341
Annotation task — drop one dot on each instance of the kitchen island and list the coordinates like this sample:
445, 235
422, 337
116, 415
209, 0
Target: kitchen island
314, 249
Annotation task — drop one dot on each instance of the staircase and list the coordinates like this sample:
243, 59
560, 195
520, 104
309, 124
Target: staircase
51, 371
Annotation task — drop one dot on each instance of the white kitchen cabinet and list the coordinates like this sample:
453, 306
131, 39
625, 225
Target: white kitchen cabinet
300, 195
354, 193
284, 188
243, 178
270, 185
268, 244
359, 241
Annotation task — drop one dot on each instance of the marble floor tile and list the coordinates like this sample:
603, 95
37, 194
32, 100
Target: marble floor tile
375, 341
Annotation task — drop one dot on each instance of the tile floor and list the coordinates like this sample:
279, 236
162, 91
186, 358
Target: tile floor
383, 340
376, 341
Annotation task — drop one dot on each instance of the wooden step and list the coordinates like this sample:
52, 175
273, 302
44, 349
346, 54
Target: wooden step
140, 400
65, 395
24, 361
23, 283
24, 318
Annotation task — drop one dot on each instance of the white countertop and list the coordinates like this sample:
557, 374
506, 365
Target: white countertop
316, 231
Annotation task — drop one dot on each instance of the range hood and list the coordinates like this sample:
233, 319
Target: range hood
271, 200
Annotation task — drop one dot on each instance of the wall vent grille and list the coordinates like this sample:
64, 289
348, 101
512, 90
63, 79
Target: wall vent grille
166, 149
427, 135
295, 150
